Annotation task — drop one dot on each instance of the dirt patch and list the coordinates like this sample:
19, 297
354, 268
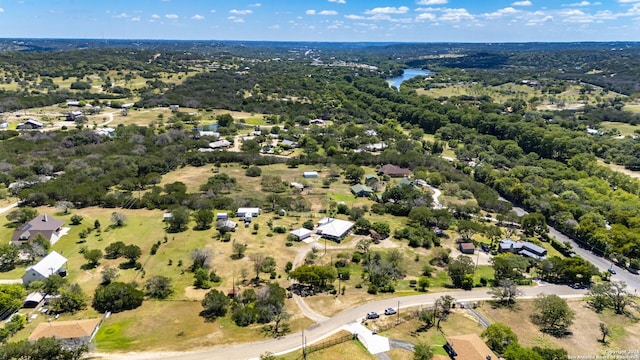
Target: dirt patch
191, 293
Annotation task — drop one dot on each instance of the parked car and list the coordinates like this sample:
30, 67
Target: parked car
390, 311
612, 271
372, 315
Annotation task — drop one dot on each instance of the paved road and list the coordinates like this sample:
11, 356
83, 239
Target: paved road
632, 280
335, 324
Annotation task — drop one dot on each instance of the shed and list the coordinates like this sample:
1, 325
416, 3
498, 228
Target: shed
301, 233
297, 185
33, 299
222, 216
310, 174
467, 248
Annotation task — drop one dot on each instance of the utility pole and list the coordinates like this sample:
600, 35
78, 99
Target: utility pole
398, 312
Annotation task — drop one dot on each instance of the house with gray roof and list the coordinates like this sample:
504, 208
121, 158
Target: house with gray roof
523, 248
361, 190
45, 225
49, 265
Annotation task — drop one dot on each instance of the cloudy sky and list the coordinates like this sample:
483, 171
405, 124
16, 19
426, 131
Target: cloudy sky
325, 20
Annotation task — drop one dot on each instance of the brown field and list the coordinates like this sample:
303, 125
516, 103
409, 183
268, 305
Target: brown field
585, 329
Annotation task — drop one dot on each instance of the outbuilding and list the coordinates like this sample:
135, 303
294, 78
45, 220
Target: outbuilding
49, 265
248, 212
301, 233
467, 248
310, 174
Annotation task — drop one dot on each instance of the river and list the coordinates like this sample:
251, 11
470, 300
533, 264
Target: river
406, 75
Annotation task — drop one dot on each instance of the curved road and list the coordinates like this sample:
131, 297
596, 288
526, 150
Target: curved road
632, 280
332, 325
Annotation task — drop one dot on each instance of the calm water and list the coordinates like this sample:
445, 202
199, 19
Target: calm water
406, 75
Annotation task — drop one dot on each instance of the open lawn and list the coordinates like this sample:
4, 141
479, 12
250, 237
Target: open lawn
585, 330
625, 129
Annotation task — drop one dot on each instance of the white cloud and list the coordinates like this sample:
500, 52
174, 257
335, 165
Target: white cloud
171, 16
328, 12
355, 17
274, 27
627, 1
1, 10
388, 10
197, 17
155, 16
426, 16
255, 5
540, 20
582, 3
235, 19
522, 3
431, 2
241, 12
135, 18
500, 13
338, 1
456, 15
310, 12
212, 11
122, 16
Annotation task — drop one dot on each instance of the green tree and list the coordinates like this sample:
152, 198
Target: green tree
509, 266
71, 300
552, 314
22, 215
43, 348
76, 219
132, 253
516, 352
506, 292
201, 279
498, 336
422, 351
467, 228
114, 250
423, 283
93, 257
534, 225
353, 173
253, 171
158, 287
225, 120
52, 284
203, 219
117, 297
459, 268
11, 298
9, 255
215, 305
238, 250
179, 220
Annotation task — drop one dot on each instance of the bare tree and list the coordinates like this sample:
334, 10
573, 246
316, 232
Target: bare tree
604, 330
506, 292
201, 258
118, 219
258, 263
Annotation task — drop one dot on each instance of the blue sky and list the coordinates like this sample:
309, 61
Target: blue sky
325, 20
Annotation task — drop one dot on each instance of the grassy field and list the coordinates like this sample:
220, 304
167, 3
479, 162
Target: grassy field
352, 350
585, 330
625, 129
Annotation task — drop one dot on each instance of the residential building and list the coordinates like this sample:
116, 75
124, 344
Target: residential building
468, 347
248, 212
220, 144
49, 265
394, 171
47, 226
30, 125
361, 190
71, 334
523, 248
334, 229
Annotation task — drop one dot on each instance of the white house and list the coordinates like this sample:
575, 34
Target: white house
301, 233
334, 229
222, 216
49, 265
248, 212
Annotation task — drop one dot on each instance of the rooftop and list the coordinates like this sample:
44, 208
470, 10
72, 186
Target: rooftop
65, 329
49, 264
